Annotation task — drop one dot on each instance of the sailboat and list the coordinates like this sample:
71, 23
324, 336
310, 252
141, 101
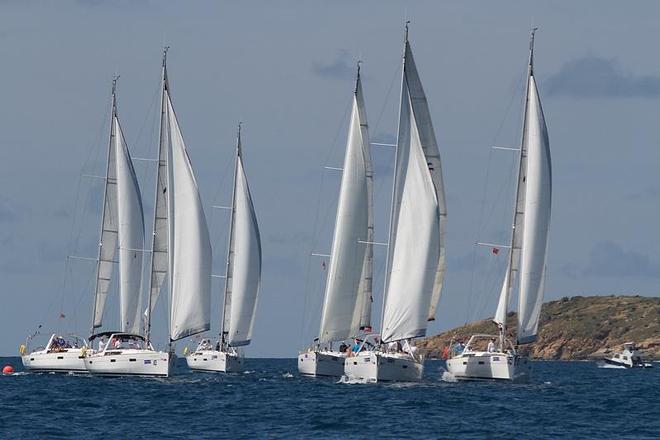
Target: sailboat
527, 255
242, 282
122, 227
181, 252
416, 247
347, 303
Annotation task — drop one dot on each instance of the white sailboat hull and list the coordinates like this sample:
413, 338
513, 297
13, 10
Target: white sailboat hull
383, 367
489, 366
321, 363
129, 363
213, 360
71, 360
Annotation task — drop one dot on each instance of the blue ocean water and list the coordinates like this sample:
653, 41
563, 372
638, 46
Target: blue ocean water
270, 400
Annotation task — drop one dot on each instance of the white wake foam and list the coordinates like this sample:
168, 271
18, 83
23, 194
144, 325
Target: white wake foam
448, 377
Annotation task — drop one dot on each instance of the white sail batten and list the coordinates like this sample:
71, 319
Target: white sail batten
416, 256
538, 200
131, 235
244, 268
189, 243
347, 304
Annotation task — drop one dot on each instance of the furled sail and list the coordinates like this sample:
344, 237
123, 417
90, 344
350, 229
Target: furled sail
417, 232
538, 200
347, 305
131, 235
244, 264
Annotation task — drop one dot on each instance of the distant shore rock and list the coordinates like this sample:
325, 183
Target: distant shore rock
580, 327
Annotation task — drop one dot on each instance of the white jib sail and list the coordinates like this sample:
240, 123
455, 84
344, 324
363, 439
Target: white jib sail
417, 249
190, 247
131, 235
347, 305
538, 200
245, 267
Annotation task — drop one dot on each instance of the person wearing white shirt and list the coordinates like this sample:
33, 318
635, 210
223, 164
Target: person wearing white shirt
491, 346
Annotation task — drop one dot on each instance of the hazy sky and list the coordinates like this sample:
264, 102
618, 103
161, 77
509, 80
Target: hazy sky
286, 69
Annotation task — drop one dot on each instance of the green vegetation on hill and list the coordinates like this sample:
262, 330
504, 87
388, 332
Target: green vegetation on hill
581, 327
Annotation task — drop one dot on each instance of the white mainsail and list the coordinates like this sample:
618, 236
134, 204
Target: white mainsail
531, 217
417, 229
131, 235
123, 223
243, 264
347, 305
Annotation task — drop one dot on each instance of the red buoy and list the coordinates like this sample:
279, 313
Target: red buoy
7, 369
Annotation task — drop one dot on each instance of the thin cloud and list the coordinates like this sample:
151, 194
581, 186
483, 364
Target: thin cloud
646, 194
597, 77
342, 67
10, 212
608, 259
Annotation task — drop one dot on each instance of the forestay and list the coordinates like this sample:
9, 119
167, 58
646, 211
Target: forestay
348, 294
244, 265
417, 232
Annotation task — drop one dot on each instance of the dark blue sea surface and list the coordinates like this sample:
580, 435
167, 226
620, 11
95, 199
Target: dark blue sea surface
575, 400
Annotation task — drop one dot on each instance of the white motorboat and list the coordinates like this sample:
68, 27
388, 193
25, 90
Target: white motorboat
527, 252
348, 290
61, 354
126, 354
628, 358
473, 363
416, 246
242, 282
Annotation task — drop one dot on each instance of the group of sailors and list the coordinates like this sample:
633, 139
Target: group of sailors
59, 344
121, 342
392, 347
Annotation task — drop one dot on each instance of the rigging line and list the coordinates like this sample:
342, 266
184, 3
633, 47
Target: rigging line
481, 219
150, 112
73, 228
387, 95
315, 231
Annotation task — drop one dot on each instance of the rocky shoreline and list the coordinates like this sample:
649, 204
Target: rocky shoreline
578, 328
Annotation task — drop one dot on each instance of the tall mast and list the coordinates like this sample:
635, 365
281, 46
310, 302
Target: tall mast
160, 161
394, 181
113, 112
226, 316
521, 158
